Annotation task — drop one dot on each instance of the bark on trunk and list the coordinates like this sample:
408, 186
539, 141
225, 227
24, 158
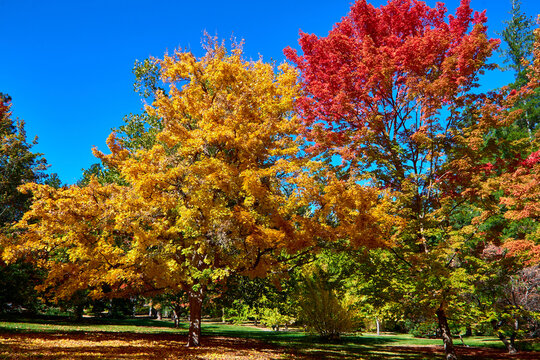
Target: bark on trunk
378, 326
195, 313
509, 345
446, 335
177, 310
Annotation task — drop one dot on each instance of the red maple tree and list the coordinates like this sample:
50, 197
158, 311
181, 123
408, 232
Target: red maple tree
383, 91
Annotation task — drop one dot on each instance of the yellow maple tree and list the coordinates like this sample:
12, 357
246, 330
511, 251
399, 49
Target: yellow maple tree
223, 190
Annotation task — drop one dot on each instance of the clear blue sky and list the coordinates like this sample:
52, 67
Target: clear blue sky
67, 63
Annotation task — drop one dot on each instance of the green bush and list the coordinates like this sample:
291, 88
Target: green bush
274, 319
424, 329
323, 312
240, 313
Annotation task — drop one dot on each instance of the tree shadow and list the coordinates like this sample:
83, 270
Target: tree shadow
108, 346
219, 342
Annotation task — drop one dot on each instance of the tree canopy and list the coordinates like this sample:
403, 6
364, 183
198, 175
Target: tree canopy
222, 190
374, 156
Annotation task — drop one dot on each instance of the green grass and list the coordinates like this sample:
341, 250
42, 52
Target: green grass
349, 347
51, 326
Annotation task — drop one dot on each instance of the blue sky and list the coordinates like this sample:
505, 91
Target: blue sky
67, 63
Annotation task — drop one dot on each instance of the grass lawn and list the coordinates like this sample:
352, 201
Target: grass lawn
143, 339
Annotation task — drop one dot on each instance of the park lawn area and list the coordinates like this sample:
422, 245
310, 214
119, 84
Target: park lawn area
142, 338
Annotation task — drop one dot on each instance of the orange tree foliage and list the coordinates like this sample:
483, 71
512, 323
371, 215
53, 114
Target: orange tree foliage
508, 178
522, 197
522, 186
497, 166
383, 92
222, 190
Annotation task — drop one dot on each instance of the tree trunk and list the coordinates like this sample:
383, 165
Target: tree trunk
509, 345
195, 314
378, 326
79, 311
446, 335
174, 317
177, 310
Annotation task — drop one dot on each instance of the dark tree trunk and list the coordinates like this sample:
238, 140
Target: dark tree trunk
446, 335
195, 314
508, 344
79, 311
177, 310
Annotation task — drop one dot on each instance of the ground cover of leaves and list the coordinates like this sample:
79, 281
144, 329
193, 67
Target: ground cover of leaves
135, 346
107, 346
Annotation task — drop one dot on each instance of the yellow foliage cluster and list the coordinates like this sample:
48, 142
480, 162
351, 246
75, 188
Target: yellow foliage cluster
93, 345
224, 189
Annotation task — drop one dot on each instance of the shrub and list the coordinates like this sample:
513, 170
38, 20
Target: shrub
323, 312
424, 330
240, 313
274, 319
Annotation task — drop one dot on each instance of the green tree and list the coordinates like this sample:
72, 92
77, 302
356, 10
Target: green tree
519, 38
18, 165
139, 131
495, 165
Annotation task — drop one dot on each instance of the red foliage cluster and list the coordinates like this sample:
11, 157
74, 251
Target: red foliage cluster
532, 160
376, 56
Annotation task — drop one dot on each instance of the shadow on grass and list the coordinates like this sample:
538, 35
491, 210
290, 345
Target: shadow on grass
313, 347
84, 341
388, 346
145, 338
108, 346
